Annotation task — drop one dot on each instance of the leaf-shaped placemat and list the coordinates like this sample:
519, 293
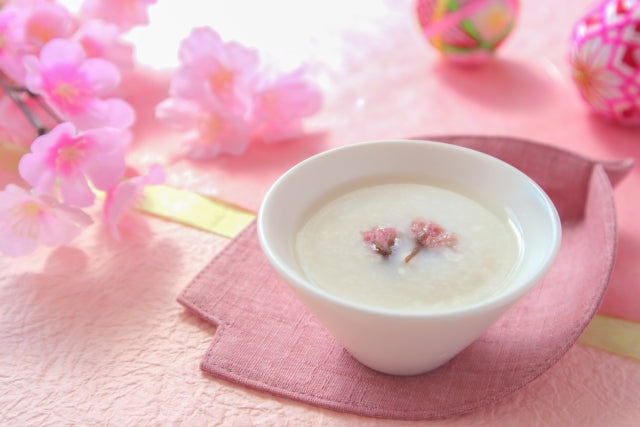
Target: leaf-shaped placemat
267, 340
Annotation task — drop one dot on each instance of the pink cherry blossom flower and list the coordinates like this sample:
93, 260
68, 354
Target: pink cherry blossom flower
126, 194
118, 113
26, 219
101, 39
11, 43
126, 14
45, 21
380, 239
68, 158
429, 235
210, 131
219, 96
281, 104
212, 68
71, 84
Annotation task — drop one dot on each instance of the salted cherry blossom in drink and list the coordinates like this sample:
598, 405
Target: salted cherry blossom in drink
408, 247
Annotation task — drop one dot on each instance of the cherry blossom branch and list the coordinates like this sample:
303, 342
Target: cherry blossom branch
82, 130
33, 120
226, 98
45, 107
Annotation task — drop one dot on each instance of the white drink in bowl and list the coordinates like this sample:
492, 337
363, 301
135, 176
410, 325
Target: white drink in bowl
334, 256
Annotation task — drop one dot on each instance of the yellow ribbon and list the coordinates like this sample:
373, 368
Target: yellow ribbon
614, 335
195, 210
611, 334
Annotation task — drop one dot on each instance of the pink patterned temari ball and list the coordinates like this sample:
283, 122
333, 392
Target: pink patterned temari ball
605, 59
467, 31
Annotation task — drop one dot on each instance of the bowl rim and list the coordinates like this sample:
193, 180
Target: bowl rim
501, 299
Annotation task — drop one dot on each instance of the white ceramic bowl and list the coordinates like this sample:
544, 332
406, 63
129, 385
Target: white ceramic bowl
394, 342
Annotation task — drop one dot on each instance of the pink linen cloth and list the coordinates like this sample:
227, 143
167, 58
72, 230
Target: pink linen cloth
266, 339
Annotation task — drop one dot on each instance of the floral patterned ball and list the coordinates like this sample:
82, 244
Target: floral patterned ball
605, 59
467, 31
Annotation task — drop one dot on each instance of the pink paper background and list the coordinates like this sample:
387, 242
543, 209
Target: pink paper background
92, 334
